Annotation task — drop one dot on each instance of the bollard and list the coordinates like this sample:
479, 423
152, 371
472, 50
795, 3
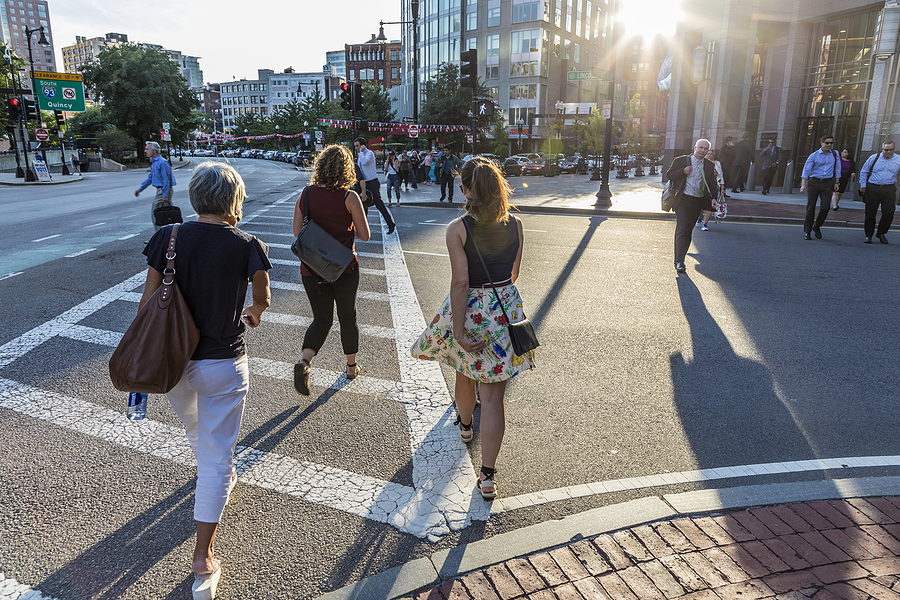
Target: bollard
788, 178
751, 178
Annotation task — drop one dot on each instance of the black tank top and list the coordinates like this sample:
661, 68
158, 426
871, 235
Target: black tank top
499, 245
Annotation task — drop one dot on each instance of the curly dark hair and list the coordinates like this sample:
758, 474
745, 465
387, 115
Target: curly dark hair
334, 169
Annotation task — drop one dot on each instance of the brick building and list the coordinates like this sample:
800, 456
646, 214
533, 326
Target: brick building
375, 62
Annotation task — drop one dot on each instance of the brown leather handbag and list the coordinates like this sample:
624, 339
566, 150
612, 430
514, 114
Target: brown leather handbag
153, 353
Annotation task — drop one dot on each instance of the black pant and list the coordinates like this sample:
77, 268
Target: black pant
322, 298
739, 177
768, 178
375, 186
820, 189
447, 181
687, 211
879, 195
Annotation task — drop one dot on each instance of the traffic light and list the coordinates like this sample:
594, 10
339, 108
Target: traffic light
60, 119
357, 98
346, 99
468, 68
31, 110
13, 110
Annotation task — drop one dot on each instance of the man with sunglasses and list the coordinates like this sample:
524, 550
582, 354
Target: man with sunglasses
818, 180
878, 186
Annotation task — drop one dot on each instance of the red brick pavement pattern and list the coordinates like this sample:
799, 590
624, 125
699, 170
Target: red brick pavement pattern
835, 550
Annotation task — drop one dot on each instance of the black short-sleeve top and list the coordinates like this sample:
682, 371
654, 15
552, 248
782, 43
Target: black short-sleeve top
213, 265
499, 245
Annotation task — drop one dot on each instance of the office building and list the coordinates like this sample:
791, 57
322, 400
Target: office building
18, 16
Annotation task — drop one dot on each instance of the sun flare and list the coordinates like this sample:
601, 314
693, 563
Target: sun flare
649, 17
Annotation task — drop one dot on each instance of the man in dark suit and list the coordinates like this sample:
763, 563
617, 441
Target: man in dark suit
694, 178
726, 159
743, 158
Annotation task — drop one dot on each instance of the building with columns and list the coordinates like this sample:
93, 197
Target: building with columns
788, 70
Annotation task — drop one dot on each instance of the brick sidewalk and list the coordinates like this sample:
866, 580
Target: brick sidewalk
839, 549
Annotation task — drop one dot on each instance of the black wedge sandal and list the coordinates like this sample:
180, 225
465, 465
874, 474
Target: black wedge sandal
465, 431
487, 482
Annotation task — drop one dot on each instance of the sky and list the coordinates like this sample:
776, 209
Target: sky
233, 41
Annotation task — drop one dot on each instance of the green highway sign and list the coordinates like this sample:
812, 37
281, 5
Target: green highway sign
581, 76
59, 91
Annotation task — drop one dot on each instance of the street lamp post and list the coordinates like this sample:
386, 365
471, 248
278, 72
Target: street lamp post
414, 4
247, 139
604, 196
521, 123
278, 137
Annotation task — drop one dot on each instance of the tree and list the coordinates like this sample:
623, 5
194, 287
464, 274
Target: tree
134, 82
592, 132
91, 123
500, 145
115, 143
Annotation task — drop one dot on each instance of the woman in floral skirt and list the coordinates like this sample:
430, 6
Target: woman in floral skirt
478, 346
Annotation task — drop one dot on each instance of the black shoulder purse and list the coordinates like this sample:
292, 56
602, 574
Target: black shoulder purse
521, 334
318, 250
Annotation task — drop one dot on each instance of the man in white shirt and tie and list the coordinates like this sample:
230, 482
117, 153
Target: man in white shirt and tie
694, 178
366, 163
878, 185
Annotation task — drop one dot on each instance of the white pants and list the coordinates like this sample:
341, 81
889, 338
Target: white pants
209, 400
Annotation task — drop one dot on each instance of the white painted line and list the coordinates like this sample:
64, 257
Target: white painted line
79, 253
94, 225
274, 217
431, 220
127, 237
435, 224
426, 253
8, 275
296, 263
13, 590
534, 230
369, 255
335, 380
298, 287
191, 216
298, 321
49, 237
268, 233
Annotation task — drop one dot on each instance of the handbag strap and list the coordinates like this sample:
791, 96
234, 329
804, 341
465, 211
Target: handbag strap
169, 271
470, 232
304, 200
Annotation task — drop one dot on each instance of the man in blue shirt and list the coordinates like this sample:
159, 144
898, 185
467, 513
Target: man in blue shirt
819, 179
447, 166
160, 177
366, 162
878, 185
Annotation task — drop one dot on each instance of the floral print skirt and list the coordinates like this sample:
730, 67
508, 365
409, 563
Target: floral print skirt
484, 320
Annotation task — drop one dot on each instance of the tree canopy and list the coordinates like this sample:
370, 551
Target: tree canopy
133, 83
446, 103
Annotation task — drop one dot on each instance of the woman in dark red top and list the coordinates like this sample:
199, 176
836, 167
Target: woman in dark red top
339, 211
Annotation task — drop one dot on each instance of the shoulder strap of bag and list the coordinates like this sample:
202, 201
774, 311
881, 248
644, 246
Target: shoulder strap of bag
834, 154
872, 166
304, 200
470, 232
169, 271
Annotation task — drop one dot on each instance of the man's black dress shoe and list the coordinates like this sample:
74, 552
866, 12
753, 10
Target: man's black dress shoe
881, 237
868, 240
765, 192
818, 231
806, 236
680, 267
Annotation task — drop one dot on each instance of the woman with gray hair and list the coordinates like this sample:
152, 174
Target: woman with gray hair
215, 260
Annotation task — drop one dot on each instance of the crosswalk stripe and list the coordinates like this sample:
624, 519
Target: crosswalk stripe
296, 263
299, 321
288, 246
298, 287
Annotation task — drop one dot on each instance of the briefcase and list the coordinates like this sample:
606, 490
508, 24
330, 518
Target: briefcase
167, 214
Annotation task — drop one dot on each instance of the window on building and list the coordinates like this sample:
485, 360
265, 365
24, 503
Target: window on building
472, 21
394, 56
523, 68
576, 52
493, 16
492, 71
524, 41
471, 43
492, 43
395, 73
557, 17
526, 10
526, 91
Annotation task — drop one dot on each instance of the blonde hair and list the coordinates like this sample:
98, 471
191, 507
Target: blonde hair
217, 189
488, 199
334, 169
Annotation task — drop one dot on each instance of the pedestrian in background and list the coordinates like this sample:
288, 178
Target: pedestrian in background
74, 161
726, 157
878, 185
338, 210
405, 169
414, 169
720, 191
425, 168
848, 172
215, 261
818, 180
366, 162
392, 170
694, 179
160, 177
446, 168
770, 156
743, 158
469, 332
432, 173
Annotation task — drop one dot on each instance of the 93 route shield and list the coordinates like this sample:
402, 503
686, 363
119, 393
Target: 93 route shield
59, 91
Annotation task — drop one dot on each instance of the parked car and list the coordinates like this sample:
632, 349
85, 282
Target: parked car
511, 168
534, 166
573, 164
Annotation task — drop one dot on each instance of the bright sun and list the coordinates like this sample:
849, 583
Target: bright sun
649, 17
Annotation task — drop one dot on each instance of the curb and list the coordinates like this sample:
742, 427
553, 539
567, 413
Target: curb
53, 182
602, 212
449, 564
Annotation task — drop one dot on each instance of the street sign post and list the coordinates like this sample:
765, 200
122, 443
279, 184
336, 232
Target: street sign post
607, 109
59, 91
41, 135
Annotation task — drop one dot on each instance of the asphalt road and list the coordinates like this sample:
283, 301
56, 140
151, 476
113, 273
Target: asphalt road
770, 349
